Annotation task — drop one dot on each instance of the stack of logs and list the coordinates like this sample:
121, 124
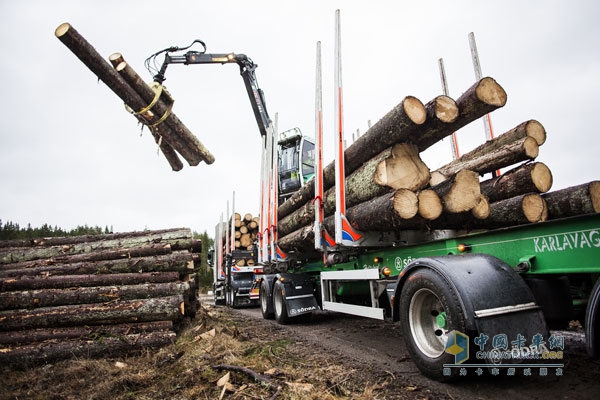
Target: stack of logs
151, 105
246, 230
94, 295
388, 187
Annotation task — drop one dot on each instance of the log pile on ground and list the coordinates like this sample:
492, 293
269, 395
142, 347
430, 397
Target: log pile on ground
151, 105
389, 188
94, 295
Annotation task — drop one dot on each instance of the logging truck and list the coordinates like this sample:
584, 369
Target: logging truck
233, 260
474, 287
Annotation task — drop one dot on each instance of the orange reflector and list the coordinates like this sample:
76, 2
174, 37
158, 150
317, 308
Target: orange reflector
378, 260
386, 271
463, 247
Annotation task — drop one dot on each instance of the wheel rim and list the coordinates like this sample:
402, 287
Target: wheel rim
426, 313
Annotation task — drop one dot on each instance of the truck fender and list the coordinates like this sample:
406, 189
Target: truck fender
298, 293
493, 297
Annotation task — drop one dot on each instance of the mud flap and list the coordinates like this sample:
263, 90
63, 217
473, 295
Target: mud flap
299, 294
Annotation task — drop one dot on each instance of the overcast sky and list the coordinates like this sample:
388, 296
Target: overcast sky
71, 155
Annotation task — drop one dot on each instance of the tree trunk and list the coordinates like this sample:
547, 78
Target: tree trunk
396, 126
430, 204
46, 352
87, 295
480, 99
527, 178
66, 281
523, 209
88, 332
490, 156
575, 200
102, 69
459, 193
384, 213
180, 261
118, 312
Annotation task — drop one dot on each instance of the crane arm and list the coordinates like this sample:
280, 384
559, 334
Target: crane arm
247, 71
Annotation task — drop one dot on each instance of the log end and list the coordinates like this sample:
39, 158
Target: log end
541, 177
531, 148
536, 130
482, 208
116, 59
406, 203
430, 204
62, 29
490, 92
464, 194
595, 195
535, 208
414, 109
446, 109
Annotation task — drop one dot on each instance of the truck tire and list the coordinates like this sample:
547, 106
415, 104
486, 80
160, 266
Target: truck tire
592, 322
265, 307
429, 310
279, 307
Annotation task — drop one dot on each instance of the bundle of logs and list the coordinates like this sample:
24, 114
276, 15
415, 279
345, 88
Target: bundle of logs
388, 186
245, 230
150, 104
94, 295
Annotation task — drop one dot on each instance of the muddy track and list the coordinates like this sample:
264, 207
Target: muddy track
380, 346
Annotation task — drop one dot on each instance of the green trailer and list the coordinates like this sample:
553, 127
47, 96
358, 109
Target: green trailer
485, 290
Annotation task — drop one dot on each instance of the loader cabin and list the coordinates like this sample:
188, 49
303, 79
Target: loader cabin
296, 163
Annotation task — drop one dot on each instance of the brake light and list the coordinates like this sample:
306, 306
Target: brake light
258, 270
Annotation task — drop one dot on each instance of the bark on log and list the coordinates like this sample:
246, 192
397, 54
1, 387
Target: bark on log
30, 299
527, 178
191, 143
459, 193
89, 332
40, 353
178, 238
396, 126
118, 312
103, 70
490, 156
523, 209
575, 200
182, 262
384, 213
66, 281
480, 99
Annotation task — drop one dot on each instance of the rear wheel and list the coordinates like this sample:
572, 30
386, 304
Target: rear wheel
592, 322
265, 300
429, 311
279, 307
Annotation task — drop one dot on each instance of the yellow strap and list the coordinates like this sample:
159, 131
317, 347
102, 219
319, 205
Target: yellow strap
165, 115
157, 92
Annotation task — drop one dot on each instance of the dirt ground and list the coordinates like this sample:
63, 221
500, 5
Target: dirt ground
235, 354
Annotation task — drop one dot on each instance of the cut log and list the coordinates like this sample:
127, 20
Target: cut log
489, 157
81, 332
459, 193
118, 312
575, 200
66, 281
179, 239
527, 178
87, 295
404, 169
103, 70
40, 353
245, 240
396, 126
523, 209
384, 213
182, 262
480, 99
